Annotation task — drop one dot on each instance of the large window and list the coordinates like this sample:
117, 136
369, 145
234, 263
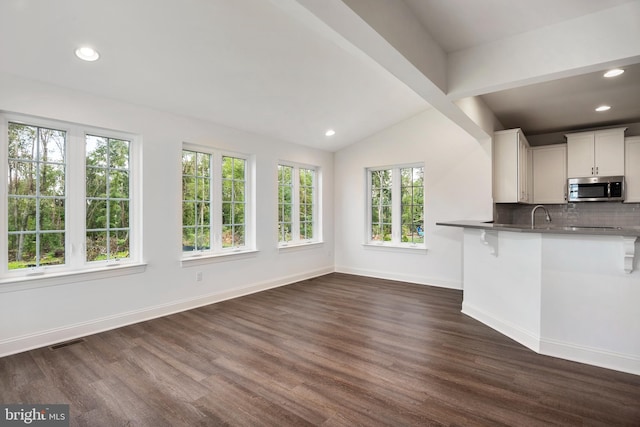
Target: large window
68, 198
215, 201
107, 198
396, 205
297, 204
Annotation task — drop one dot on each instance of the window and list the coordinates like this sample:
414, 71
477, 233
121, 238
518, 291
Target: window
297, 204
68, 198
215, 202
107, 198
396, 205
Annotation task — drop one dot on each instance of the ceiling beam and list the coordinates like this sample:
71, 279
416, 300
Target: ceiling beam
577, 46
387, 32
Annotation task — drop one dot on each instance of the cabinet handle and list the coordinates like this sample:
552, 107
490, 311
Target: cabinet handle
596, 170
592, 170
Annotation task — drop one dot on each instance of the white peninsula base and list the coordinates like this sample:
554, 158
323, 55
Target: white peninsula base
575, 297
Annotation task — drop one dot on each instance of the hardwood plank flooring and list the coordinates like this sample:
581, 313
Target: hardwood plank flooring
338, 350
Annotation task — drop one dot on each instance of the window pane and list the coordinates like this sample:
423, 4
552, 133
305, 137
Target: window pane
119, 241
96, 214
226, 213
238, 213
22, 214
203, 213
238, 191
52, 214
96, 151
51, 145
22, 251
119, 184
238, 235
51, 248
227, 236
22, 142
22, 178
96, 245
188, 162
227, 191
189, 213
204, 164
118, 154
96, 182
203, 238
188, 188
119, 214
188, 239
51, 180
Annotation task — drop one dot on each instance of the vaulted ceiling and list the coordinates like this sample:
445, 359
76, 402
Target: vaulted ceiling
291, 69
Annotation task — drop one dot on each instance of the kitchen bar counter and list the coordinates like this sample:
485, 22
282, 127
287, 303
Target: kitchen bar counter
567, 292
544, 227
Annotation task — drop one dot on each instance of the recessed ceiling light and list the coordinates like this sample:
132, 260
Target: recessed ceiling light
614, 72
87, 53
330, 132
603, 108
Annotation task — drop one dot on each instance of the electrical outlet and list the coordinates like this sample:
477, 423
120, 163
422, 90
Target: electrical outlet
199, 276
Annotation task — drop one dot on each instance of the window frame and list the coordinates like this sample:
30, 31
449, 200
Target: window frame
296, 204
75, 206
216, 249
396, 207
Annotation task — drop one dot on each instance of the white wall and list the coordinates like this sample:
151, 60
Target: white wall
457, 186
40, 316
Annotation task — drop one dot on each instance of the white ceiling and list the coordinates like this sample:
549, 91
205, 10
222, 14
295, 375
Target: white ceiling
278, 68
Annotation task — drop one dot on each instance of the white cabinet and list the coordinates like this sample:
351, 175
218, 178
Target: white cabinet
511, 167
632, 169
550, 173
593, 153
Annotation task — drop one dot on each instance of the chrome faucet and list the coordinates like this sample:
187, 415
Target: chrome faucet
533, 213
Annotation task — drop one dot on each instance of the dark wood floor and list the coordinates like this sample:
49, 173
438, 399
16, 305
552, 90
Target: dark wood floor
338, 350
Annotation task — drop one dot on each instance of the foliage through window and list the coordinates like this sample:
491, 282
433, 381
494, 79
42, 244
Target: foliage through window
214, 201
51, 173
107, 197
36, 196
297, 204
396, 205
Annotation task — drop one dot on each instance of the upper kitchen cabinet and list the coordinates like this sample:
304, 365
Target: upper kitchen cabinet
512, 169
550, 174
594, 153
632, 169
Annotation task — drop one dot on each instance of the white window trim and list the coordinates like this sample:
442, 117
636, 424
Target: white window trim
396, 210
217, 253
296, 242
75, 222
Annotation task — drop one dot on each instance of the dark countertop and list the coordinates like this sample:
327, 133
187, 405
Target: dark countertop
544, 227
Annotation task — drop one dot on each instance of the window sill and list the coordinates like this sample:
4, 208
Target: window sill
202, 259
396, 247
22, 283
298, 246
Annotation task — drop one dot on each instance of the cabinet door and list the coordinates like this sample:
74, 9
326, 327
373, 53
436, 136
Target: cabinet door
609, 153
523, 181
505, 167
580, 155
632, 169
550, 174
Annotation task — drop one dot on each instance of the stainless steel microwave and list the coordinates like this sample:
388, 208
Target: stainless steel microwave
596, 189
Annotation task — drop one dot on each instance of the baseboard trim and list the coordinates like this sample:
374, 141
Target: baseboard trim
563, 350
53, 336
515, 332
409, 278
591, 356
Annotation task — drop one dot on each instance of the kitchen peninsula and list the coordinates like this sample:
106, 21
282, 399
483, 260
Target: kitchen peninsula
564, 291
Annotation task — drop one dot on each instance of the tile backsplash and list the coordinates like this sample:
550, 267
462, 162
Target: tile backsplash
587, 214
